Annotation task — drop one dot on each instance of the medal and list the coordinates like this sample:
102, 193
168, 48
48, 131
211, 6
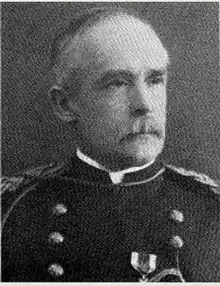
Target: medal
144, 263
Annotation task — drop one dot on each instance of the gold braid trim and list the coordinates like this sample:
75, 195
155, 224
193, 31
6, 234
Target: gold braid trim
200, 177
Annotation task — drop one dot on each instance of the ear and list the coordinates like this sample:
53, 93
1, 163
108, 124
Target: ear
63, 106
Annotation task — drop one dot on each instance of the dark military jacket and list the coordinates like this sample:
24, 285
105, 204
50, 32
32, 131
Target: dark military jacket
69, 223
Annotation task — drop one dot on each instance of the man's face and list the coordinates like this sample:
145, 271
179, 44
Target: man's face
122, 101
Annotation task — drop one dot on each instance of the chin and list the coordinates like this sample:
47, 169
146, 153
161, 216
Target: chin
144, 153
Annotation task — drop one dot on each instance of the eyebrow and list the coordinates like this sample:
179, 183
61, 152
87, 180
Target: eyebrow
156, 72
112, 74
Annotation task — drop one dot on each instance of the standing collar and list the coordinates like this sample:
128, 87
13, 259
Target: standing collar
80, 170
116, 177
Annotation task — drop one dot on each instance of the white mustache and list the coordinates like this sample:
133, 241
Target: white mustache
146, 126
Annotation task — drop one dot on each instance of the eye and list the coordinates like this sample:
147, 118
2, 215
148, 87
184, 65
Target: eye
155, 80
116, 83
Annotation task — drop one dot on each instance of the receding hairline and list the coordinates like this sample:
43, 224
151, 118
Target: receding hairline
80, 26
85, 21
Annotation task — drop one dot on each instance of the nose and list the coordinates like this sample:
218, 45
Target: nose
141, 101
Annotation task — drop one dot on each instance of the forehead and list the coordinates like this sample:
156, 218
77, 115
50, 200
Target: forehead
119, 42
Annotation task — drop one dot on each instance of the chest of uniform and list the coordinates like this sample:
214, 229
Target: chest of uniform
75, 232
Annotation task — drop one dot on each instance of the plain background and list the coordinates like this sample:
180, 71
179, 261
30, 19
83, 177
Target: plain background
32, 135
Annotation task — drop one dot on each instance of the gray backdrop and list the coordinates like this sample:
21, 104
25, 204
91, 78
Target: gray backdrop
32, 136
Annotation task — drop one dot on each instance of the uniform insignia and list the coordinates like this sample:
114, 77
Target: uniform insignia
42, 170
13, 183
10, 183
13, 188
199, 177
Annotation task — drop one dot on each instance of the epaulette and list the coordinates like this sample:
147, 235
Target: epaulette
10, 183
24, 178
46, 170
12, 188
198, 177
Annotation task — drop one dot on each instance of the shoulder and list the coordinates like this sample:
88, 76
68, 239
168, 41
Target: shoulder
14, 187
198, 196
13, 183
198, 182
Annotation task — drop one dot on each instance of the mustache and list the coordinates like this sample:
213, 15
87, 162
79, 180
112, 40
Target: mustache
145, 126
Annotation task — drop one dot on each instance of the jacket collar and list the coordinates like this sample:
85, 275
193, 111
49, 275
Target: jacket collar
78, 169
115, 176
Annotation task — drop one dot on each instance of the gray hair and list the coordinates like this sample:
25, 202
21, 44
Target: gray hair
69, 40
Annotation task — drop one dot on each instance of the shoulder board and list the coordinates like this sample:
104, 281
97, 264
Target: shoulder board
50, 169
199, 177
13, 188
23, 178
10, 183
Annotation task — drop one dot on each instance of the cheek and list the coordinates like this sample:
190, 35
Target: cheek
111, 105
105, 110
115, 108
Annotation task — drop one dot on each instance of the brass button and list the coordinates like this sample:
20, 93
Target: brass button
177, 216
176, 241
59, 209
55, 238
56, 270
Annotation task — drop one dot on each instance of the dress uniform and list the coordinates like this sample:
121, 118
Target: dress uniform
73, 223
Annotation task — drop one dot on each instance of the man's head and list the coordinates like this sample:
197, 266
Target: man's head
111, 82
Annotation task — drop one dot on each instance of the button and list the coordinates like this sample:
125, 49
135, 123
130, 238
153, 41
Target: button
55, 270
177, 216
176, 241
55, 238
59, 209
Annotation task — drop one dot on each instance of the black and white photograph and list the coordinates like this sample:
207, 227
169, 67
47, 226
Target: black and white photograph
110, 154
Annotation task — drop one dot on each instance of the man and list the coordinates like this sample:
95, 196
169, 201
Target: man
114, 212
